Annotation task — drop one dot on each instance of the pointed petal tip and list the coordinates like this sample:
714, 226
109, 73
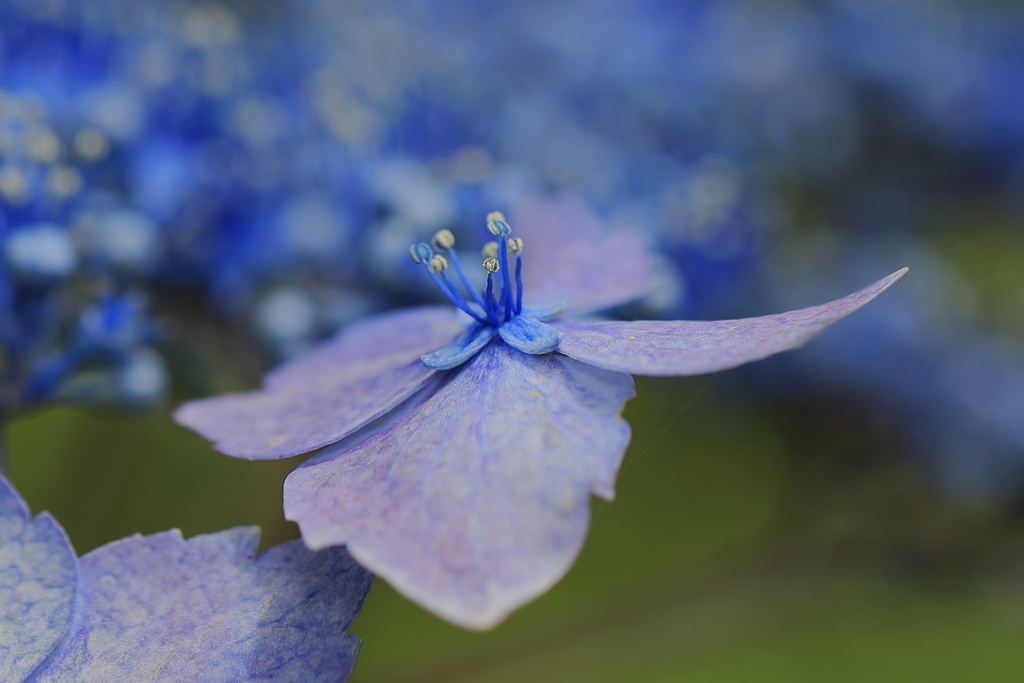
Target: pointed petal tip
889, 281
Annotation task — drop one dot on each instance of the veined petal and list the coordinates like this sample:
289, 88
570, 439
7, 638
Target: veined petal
566, 250
364, 372
530, 335
159, 608
685, 347
38, 577
475, 500
465, 346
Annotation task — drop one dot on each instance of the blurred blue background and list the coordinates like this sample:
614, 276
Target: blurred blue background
193, 192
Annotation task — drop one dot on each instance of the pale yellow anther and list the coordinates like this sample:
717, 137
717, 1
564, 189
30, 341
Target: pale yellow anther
443, 239
495, 216
515, 245
438, 263
91, 144
491, 265
490, 250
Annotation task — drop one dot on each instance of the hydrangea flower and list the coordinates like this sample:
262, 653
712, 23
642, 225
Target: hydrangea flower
466, 443
160, 608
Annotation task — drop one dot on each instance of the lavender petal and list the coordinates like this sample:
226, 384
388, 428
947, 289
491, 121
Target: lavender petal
361, 374
685, 347
159, 608
530, 335
475, 500
465, 346
38, 576
565, 249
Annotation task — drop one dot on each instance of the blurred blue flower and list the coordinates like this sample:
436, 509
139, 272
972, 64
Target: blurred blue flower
471, 494
922, 362
158, 607
107, 361
53, 332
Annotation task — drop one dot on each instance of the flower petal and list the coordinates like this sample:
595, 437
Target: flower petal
475, 500
565, 249
159, 608
462, 349
530, 335
549, 308
38, 576
690, 347
364, 372
386, 341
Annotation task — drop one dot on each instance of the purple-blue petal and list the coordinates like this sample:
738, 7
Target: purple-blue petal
685, 347
361, 374
549, 308
565, 249
465, 346
476, 499
530, 335
37, 586
159, 608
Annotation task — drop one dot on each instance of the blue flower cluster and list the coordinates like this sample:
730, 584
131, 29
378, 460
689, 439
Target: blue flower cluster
281, 163
73, 327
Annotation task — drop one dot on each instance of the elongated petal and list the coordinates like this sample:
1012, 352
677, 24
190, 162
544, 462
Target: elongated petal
475, 500
363, 373
37, 586
565, 249
465, 346
685, 347
159, 608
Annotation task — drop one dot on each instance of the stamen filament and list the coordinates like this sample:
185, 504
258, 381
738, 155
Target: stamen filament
454, 296
506, 280
492, 305
519, 284
464, 278
455, 291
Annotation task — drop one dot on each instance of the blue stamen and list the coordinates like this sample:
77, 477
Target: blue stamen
458, 295
496, 308
492, 305
454, 297
420, 253
519, 284
506, 280
464, 278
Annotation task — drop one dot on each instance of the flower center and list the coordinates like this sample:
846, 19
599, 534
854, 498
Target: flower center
499, 302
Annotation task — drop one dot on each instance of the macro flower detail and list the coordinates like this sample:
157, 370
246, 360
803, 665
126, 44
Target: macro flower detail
161, 608
466, 446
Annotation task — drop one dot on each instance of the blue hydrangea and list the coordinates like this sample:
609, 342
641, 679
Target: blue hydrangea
66, 320
467, 441
162, 608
